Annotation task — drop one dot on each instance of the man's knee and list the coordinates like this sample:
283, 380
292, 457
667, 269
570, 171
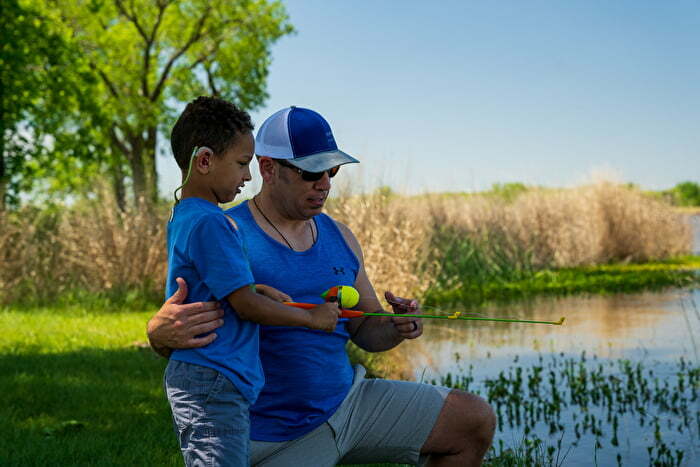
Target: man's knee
477, 418
466, 424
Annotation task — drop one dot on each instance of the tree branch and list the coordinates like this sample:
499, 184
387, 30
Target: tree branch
148, 40
117, 142
151, 40
204, 57
196, 35
212, 85
131, 17
105, 78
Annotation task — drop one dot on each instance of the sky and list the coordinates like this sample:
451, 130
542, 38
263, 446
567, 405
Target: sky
459, 95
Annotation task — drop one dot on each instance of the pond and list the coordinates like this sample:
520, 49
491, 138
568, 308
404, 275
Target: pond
617, 384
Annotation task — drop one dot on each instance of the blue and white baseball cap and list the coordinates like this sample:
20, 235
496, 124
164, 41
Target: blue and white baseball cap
303, 138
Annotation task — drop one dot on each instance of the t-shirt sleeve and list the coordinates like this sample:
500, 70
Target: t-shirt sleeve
217, 252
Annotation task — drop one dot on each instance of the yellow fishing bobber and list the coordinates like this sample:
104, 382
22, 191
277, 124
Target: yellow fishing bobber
348, 296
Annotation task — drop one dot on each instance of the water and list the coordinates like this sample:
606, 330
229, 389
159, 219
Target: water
655, 330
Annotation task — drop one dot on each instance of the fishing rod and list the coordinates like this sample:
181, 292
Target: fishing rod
347, 296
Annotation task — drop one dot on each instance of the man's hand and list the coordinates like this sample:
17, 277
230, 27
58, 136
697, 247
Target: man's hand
408, 328
176, 325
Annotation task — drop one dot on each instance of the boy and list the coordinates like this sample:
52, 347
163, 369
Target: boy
211, 388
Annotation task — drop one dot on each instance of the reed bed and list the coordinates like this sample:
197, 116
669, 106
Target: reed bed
92, 249
410, 244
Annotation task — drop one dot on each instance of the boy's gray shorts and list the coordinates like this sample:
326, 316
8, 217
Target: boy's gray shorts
210, 415
379, 421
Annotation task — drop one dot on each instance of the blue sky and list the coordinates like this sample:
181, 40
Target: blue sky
458, 95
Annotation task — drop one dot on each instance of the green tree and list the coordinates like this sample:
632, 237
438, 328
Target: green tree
508, 191
45, 113
151, 55
687, 194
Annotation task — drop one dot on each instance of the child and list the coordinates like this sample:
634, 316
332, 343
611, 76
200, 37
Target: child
211, 388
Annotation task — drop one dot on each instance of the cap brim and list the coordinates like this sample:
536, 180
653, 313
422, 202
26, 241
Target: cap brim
322, 161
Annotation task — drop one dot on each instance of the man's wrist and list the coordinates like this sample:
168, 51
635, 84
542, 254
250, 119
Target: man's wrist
162, 351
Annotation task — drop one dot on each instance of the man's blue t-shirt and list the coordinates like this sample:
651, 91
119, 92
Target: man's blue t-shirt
307, 372
206, 250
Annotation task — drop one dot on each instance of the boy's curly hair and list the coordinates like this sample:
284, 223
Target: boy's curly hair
207, 121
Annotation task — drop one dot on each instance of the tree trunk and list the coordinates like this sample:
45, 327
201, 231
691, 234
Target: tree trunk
118, 176
3, 189
3, 179
149, 161
138, 174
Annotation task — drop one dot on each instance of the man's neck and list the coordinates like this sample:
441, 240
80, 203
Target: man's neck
267, 206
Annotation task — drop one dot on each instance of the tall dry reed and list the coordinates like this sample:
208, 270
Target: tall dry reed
90, 247
406, 240
395, 243
588, 225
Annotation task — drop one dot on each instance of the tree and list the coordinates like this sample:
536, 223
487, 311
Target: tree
150, 55
687, 194
42, 99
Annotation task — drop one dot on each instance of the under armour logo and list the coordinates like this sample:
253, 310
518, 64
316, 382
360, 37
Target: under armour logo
338, 271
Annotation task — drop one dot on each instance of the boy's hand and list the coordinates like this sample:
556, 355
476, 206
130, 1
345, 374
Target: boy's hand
272, 293
324, 317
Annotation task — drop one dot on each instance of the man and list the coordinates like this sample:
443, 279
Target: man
315, 409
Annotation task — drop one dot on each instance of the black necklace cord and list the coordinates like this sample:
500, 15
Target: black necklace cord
313, 237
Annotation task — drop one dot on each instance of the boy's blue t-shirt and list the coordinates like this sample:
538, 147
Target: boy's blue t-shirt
206, 250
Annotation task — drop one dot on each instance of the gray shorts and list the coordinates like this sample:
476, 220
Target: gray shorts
379, 421
210, 415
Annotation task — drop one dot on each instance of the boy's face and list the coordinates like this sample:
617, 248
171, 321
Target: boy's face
231, 170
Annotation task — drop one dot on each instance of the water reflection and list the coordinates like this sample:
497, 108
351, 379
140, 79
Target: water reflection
662, 326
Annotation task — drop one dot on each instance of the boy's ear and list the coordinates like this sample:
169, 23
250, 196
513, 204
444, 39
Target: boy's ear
203, 160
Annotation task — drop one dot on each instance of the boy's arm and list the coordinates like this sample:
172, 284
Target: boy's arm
217, 253
273, 293
253, 306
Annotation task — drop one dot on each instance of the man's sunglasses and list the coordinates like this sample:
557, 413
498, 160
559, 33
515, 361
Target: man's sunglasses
309, 176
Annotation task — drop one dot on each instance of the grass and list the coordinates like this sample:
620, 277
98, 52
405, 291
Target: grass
81, 388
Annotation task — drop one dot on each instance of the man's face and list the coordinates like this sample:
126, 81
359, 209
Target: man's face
301, 199
232, 169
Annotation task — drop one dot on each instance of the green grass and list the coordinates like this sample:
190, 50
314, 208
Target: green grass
80, 388
77, 391
605, 279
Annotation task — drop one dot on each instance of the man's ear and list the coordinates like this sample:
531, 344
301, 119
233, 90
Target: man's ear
203, 160
267, 168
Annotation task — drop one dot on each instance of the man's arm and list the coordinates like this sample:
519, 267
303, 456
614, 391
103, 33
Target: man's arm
175, 325
378, 333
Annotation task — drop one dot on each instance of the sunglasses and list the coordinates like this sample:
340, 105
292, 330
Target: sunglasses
309, 176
